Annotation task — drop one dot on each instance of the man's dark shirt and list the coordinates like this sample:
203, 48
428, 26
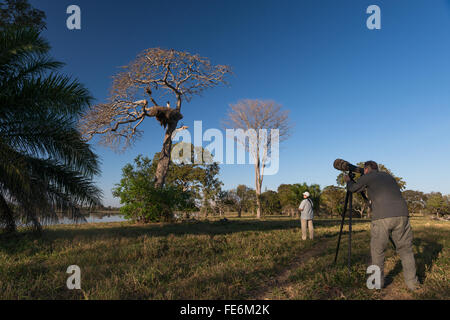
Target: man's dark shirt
384, 193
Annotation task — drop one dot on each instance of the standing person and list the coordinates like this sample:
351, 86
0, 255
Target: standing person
389, 218
307, 215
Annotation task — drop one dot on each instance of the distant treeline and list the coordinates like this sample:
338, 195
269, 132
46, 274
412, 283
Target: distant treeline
196, 190
328, 201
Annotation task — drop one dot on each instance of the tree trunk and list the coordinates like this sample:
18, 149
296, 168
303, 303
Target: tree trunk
6, 215
37, 225
205, 208
258, 188
164, 159
258, 204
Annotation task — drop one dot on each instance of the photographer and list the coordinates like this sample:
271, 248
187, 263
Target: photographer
389, 218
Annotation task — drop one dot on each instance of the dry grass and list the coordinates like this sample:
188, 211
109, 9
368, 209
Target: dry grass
239, 259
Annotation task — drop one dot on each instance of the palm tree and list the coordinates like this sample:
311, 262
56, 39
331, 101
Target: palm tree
45, 165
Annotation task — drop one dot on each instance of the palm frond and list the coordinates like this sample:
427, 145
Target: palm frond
52, 136
45, 166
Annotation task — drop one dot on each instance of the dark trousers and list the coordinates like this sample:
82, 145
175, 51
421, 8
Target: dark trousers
400, 230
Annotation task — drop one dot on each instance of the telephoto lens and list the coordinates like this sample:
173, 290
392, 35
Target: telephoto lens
343, 165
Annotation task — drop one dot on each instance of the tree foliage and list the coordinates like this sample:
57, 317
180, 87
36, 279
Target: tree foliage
225, 202
20, 14
438, 204
289, 200
188, 186
187, 172
416, 200
291, 195
245, 199
193, 169
271, 203
45, 164
332, 200
142, 201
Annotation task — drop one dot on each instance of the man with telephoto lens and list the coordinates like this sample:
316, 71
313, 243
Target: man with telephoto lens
390, 218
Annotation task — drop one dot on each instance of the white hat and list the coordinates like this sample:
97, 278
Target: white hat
306, 194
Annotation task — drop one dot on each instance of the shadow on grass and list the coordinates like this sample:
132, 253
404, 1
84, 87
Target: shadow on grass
426, 257
428, 252
18, 242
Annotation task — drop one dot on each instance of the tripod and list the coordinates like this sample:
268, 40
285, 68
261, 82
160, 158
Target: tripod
348, 203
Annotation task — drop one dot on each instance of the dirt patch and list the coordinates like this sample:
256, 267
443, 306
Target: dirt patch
396, 291
281, 282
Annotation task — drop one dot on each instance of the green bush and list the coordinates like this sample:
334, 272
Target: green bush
142, 201
157, 204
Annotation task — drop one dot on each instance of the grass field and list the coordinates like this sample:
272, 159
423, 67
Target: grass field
238, 259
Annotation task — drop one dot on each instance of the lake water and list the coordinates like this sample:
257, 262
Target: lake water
95, 219
89, 219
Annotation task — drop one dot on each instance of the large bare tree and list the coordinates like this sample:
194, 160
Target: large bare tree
154, 75
257, 116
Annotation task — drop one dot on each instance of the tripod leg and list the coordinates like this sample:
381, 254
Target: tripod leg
350, 232
342, 225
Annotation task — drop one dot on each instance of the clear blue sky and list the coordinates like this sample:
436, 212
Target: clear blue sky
354, 93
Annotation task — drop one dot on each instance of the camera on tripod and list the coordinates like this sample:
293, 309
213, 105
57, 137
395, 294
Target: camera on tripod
351, 169
343, 165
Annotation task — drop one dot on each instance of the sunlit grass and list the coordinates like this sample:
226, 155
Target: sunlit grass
238, 259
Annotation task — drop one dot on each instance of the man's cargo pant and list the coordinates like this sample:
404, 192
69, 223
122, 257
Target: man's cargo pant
307, 224
401, 233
